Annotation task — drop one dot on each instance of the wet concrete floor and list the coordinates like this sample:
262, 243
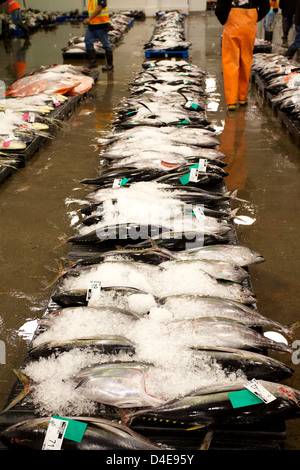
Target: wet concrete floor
39, 203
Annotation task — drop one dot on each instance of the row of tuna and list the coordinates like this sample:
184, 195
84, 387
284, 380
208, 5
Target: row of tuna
281, 76
153, 322
119, 25
169, 32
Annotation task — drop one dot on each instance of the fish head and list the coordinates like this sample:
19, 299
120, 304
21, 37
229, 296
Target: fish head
284, 392
256, 257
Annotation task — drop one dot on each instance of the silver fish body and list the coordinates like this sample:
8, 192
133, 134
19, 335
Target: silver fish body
117, 384
189, 306
221, 333
215, 408
100, 434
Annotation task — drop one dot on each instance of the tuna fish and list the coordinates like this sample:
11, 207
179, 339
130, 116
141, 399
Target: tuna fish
217, 269
215, 408
213, 332
123, 385
100, 434
237, 254
110, 295
104, 344
253, 365
189, 306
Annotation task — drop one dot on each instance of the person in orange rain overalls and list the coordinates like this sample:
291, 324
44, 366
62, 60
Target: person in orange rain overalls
239, 19
16, 17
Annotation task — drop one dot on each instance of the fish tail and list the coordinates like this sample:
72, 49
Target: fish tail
233, 195
161, 249
62, 270
27, 384
63, 241
234, 212
125, 416
292, 327
205, 444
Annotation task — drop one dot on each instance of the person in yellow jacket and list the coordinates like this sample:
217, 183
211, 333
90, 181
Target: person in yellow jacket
239, 19
14, 11
98, 27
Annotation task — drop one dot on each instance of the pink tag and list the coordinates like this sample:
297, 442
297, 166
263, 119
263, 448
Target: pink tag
26, 116
6, 143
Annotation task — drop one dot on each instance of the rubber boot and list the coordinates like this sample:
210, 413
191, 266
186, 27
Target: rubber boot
25, 30
290, 52
109, 62
92, 58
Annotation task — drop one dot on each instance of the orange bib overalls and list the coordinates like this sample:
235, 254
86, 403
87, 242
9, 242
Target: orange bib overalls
239, 35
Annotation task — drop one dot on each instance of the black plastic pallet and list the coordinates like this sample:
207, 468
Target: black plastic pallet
154, 54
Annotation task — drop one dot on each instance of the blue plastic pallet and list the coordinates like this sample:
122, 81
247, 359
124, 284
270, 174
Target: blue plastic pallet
167, 54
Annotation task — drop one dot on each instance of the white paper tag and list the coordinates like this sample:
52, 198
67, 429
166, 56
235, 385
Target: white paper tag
55, 434
260, 391
194, 175
93, 291
202, 164
31, 117
55, 101
199, 212
117, 183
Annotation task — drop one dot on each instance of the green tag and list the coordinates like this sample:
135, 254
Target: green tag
185, 121
75, 429
242, 398
124, 181
194, 106
186, 178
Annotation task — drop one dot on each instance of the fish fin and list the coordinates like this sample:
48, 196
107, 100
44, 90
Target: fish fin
198, 426
125, 416
206, 441
27, 387
159, 249
292, 327
234, 212
81, 382
61, 272
153, 244
233, 195
63, 241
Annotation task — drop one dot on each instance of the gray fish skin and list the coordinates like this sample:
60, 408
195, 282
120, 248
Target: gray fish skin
100, 434
109, 344
220, 333
252, 364
236, 254
100, 309
215, 408
191, 306
117, 384
217, 269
